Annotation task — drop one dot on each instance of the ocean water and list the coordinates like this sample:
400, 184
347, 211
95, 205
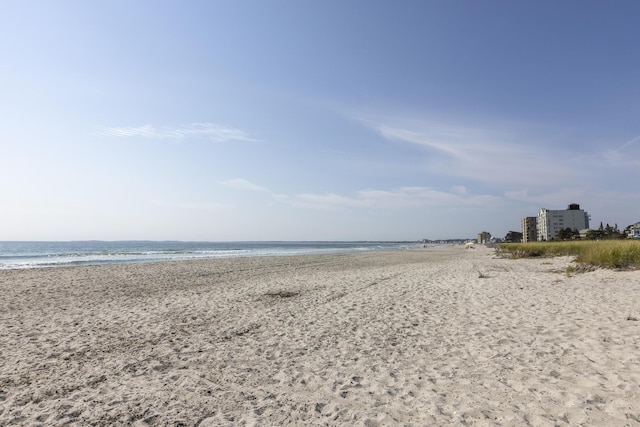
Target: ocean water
16, 255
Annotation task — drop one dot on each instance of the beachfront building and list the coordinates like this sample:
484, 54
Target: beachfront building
550, 222
633, 231
529, 229
484, 237
585, 233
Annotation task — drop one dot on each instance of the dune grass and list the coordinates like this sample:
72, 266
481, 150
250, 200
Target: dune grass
599, 253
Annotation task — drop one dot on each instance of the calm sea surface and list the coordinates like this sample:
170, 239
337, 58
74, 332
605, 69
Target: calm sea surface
14, 255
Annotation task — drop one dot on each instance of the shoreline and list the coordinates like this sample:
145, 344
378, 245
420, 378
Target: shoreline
417, 337
24, 255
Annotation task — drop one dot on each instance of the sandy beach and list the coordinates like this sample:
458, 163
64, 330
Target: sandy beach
442, 336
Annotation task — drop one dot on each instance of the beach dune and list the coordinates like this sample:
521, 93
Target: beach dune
437, 336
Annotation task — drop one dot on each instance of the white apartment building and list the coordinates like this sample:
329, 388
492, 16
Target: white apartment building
550, 222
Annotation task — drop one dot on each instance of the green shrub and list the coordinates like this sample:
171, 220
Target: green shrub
600, 253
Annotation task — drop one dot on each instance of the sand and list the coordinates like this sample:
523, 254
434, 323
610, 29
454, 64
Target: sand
443, 336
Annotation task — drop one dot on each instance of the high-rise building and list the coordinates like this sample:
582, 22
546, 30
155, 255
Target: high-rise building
529, 229
550, 222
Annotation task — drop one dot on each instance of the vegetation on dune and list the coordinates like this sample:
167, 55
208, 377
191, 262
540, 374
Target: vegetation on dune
599, 253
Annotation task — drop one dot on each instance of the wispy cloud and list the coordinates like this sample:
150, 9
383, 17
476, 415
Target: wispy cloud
198, 206
211, 131
373, 199
621, 156
242, 184
392, 199
628, 143
504, 155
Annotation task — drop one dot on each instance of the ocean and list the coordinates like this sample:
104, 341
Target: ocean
17, 255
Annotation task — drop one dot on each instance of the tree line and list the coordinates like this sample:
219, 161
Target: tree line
603, 232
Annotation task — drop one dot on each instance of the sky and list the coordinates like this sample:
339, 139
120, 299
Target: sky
314, 120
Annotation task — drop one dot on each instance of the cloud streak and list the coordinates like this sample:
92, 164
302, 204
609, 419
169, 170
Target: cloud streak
374, 199
242, 184
211, 131
200, 206
503, 156
521, 164
628, 143
621, 156
397, 199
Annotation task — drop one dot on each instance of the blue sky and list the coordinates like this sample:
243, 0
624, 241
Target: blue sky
314, 120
